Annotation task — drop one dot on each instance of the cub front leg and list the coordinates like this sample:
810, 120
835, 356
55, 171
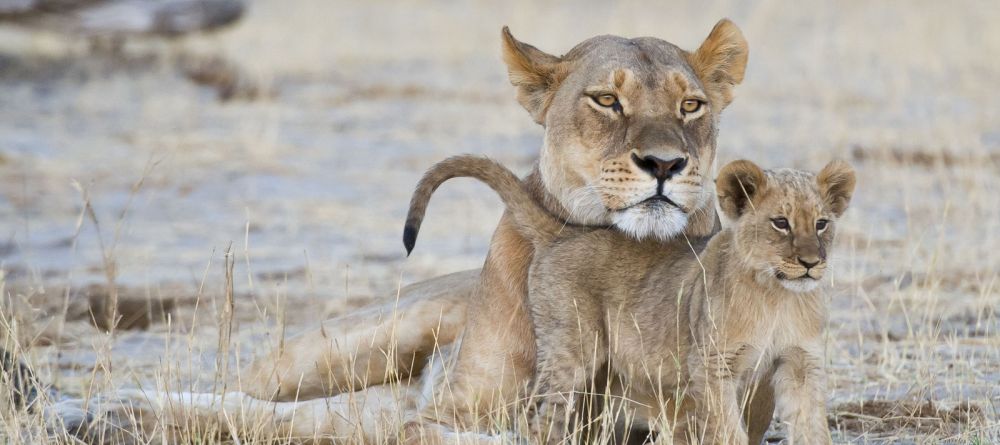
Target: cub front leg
800, 396
558, 393
571, 347
716, 392
564, 373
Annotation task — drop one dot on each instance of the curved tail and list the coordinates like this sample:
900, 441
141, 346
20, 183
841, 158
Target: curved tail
533, 221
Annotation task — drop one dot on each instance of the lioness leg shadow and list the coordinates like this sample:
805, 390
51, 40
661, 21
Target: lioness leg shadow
760, 412
372, 415
369, 347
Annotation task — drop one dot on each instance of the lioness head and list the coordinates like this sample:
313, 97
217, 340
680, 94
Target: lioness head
630, 126
784, 219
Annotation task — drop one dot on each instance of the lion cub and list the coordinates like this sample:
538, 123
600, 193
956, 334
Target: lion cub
691, 325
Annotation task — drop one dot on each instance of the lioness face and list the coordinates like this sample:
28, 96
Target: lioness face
785, 219
630, 125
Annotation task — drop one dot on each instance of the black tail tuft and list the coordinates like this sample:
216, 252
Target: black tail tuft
409, 238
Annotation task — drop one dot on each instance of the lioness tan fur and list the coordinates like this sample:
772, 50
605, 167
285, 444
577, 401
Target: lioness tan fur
599, 165
694, 325
612, 163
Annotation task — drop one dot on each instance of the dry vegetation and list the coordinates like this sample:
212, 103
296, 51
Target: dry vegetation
224, 226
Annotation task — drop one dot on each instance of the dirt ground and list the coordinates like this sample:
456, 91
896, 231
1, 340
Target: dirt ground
118, 168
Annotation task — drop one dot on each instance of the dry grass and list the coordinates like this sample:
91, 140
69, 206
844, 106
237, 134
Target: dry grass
308, 179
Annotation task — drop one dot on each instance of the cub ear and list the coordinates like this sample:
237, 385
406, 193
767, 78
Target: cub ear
739, 184
720, 62
836, 185
536, 75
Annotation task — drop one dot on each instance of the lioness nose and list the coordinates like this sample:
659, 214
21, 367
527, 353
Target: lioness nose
661, 169
808, 263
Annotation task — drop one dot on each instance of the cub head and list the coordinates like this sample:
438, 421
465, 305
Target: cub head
630, 126
784, 219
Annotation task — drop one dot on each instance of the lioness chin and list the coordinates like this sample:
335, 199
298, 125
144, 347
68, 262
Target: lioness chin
692, 326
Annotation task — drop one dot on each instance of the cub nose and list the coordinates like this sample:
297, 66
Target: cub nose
808, 263
661, 169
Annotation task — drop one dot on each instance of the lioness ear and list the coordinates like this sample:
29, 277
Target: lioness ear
536, 75
720, 62
836, 185
738, 185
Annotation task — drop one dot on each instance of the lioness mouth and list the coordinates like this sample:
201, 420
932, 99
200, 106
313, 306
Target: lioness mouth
661, 198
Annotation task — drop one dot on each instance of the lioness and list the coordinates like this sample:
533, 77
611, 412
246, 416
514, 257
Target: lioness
629, 124
630, 131
697, 322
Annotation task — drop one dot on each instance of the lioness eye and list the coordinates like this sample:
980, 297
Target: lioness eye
780, 224
821, 225
606, 100
690, 106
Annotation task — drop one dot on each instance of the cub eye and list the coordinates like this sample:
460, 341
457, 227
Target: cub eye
690, 106
780, 224
606, 100
821, 225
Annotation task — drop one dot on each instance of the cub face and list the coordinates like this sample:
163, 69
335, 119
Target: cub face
630, 125
785, 220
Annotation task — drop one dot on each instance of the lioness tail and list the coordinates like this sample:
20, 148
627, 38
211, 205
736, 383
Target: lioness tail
533, 222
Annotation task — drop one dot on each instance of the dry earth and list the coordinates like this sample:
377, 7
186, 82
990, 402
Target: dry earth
307, 177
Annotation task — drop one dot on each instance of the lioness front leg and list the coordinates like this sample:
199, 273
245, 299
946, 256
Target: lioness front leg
800, 395
367, 347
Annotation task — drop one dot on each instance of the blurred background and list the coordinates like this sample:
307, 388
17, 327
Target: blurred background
295, 133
